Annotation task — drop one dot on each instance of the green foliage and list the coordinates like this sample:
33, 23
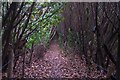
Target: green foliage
43, 22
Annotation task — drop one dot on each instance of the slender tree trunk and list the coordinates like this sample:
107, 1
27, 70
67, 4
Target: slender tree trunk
118, 53
98, 52
10, 63
23, 68
31, 52
118, 57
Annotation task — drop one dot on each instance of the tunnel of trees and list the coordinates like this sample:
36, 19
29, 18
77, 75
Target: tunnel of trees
90, 31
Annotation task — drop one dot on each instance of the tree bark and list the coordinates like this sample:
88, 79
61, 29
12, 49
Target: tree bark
109, 54
118, 57
98, 52
10, 63
118, 53
23, 68
31, 53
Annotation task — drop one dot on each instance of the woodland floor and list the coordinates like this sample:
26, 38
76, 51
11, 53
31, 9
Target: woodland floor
55, 64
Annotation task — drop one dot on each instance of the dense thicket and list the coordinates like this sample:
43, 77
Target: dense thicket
25, 25
92, 30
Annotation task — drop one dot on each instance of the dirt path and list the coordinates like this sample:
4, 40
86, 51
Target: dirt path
53, 57
55, 65
56, 59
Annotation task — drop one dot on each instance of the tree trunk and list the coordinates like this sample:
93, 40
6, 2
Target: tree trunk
10, 63
31, 53
118, 57
23, 68
98, 52
118, 53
